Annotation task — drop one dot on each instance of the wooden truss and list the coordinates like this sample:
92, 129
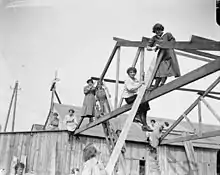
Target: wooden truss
189, 49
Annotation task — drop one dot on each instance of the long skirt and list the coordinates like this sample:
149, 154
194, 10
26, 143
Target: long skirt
169, 65
89, 105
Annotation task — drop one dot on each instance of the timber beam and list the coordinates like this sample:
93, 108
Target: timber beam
109, 61
182, 45
210, 96
192, 137
127, 43
177, 83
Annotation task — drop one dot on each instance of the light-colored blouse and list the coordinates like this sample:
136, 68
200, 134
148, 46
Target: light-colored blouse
131, 87
70, 122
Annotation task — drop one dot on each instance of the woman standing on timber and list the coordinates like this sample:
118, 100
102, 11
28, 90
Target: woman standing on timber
89, 102
169, 65
101, 97
131, 87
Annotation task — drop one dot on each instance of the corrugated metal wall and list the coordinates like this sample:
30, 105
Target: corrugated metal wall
50, 153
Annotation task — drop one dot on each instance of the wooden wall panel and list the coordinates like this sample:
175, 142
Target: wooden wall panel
52, 153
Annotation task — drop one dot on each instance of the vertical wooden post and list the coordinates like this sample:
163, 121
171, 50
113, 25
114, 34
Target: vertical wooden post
200, 117
136, 57
9, 109
117, 77
15, 103
142, 65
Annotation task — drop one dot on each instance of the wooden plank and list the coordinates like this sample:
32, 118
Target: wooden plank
193, 56
192, 137
200, 53
142, 65
57, 96
175, 45
177, 83
187, 111
211, 109
136, 57
197, 90
138, 43
200, 117
109, 62
211, 96
190, 153
200, 39
120, 142
215, 46
117, 77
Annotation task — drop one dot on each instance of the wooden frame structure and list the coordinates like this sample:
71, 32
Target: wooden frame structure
187, 49
53, 95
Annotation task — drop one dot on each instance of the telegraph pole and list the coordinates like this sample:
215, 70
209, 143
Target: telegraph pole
13, 99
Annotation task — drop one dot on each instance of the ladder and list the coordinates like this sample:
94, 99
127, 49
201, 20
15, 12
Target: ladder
120, 142
111, 136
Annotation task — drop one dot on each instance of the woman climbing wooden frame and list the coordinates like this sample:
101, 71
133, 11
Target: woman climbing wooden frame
131, 87
169, 65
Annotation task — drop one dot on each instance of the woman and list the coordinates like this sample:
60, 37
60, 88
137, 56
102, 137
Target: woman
131, 87
54, 123
89, 102
169, 65
92, 166
101, 97
70, 121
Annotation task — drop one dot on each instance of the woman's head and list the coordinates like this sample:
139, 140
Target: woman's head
99, 84
19, 168
89, 81
131, 71
89, 152
158, 29
71, 111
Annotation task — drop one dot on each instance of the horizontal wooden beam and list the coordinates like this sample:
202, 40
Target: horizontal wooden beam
177, 83
210, 96
215, 46
211, 45
108, 80
200, 39
128, 43
180, 89
192, 137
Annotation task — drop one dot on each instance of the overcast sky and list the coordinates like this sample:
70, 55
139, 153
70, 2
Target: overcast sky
75, 38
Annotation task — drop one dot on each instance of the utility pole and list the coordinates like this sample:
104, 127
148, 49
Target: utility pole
13, 99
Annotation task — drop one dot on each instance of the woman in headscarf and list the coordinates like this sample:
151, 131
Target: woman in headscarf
169, 65
89, 102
